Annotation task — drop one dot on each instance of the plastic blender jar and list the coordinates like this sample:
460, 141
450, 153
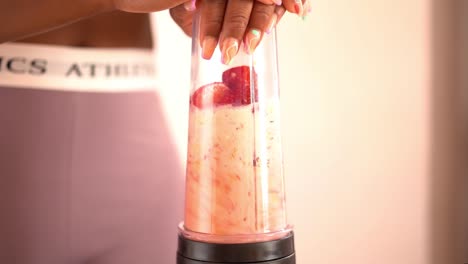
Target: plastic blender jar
235, 197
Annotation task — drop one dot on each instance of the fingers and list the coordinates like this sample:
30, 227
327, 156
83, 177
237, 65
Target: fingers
236, 19
280, 10
229, 23
190, 5
262, 19
182, 16
211, 23
270, 2
294, 6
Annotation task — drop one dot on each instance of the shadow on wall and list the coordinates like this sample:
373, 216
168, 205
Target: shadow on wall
463, 77
449, 143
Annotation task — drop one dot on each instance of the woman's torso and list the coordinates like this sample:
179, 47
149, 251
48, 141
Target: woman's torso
88, 175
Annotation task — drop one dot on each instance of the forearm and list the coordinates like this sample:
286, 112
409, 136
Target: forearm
24, 18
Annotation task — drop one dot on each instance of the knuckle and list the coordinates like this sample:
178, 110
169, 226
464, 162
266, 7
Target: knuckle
181, 18
175, 14
265, 2
213, 22
185, 24
263, 14
238, 21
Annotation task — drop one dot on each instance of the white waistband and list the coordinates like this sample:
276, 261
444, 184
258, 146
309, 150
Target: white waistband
76, 69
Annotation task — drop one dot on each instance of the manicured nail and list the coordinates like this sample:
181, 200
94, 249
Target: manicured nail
208, 47
190, 6
305, 16
278, 2
272, 23
229, 50
280, 12
298, 7
306, 9
252, 39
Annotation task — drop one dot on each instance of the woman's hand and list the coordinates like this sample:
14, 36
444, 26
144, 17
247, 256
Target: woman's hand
230, 22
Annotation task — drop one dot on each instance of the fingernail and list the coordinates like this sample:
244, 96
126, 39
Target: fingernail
280, 11
252, 39
190, 6
306, 9
208, 47
272, 23
306, 14
229, 50
278, 2
298, 7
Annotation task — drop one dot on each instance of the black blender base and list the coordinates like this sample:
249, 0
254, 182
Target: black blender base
287, 260
280, 251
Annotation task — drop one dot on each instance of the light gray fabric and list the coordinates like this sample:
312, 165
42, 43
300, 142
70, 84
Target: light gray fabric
87, 178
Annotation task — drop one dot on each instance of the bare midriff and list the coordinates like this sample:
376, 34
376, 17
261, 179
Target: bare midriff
110, 30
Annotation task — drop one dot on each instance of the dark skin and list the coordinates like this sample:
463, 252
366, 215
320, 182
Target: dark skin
113, 29
124, 23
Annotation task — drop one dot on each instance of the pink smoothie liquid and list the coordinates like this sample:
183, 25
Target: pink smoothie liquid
234, 178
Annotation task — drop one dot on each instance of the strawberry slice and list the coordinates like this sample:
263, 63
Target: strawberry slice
238, 80
213, 94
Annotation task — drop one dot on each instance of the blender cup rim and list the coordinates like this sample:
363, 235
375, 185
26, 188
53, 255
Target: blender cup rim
234, 239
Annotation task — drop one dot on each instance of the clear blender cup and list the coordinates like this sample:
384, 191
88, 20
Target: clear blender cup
235, 199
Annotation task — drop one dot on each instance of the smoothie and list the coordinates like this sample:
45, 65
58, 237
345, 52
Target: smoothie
235, 190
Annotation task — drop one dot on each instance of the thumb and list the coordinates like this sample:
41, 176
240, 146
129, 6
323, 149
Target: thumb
183, 16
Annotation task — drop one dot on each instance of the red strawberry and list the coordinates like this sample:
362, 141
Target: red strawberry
238, 80
212, 94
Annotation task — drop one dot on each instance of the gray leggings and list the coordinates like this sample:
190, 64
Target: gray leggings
87, 178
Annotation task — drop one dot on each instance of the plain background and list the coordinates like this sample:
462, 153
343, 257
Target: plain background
372, 99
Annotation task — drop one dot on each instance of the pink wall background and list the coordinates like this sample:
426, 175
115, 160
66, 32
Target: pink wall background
372, 114
463, 85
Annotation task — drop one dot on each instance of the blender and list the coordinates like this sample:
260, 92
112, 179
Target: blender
235, 197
